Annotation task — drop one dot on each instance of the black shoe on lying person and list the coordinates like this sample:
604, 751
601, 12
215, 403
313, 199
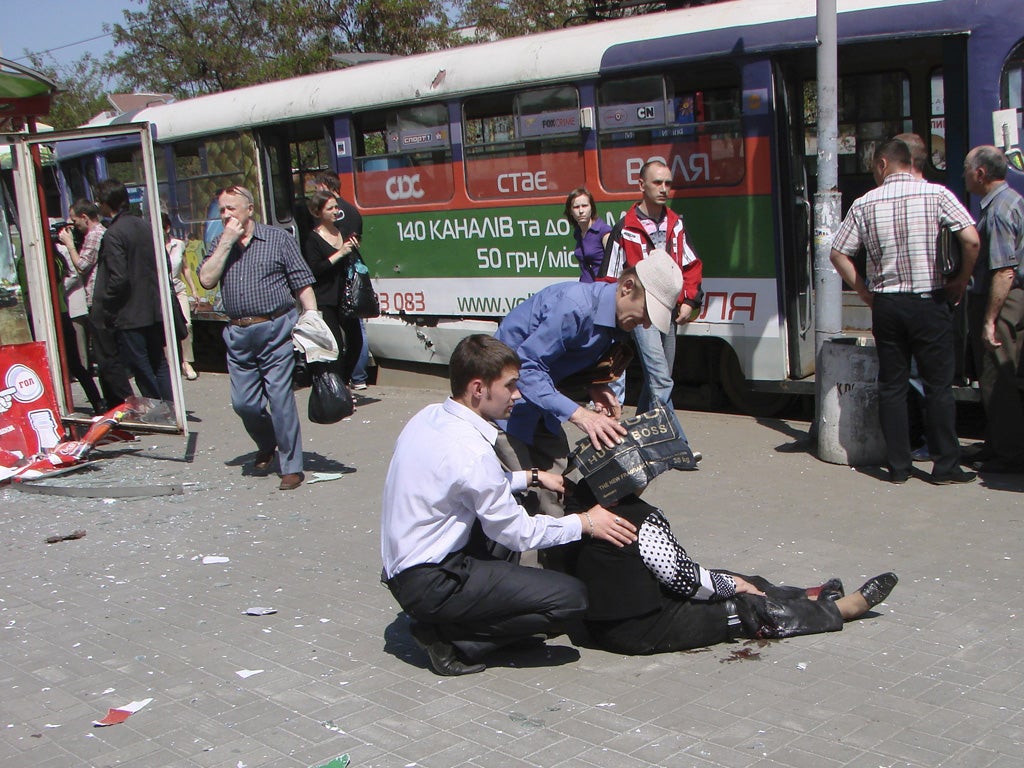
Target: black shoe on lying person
877, 589
444, 659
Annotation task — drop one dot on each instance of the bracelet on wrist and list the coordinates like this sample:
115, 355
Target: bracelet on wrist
590, 522
535, 478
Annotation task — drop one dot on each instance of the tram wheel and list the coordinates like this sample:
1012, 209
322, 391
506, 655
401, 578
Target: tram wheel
737, 389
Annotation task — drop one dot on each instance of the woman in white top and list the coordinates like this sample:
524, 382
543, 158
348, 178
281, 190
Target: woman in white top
181, 279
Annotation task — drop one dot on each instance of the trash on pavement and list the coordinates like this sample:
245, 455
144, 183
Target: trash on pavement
120, 714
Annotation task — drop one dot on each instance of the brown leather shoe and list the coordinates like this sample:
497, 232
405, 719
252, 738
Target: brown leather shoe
262, 462
290, 482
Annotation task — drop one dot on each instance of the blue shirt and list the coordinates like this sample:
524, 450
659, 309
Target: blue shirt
1001, 229
560, 330
590, 250
261, 278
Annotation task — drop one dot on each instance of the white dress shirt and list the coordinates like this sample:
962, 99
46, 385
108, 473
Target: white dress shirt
444, 475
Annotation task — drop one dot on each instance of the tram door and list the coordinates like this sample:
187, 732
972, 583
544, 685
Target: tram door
291, 155
795, 213
41, 265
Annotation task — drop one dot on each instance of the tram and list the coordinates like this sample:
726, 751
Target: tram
460, 160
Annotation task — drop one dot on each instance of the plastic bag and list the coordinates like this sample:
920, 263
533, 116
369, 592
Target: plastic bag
329, 401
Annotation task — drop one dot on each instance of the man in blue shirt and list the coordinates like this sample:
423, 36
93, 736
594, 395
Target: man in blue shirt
996, 310
565, 329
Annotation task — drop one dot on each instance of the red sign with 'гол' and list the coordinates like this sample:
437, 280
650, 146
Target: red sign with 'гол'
29, 422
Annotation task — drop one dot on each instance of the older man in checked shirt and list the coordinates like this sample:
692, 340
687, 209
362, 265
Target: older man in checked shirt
262, 274
898, 223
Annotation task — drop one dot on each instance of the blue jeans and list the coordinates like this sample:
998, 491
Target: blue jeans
657, 353
359, 372
142, 351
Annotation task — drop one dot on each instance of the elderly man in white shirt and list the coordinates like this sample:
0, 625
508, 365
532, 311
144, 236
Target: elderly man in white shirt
447, 500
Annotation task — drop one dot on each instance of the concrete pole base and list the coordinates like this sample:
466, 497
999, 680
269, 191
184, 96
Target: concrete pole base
849, 431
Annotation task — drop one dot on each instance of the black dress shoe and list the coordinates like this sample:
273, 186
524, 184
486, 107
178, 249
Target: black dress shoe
443, 658
898, 476
956, 477
976, 452
998, 467
877, 589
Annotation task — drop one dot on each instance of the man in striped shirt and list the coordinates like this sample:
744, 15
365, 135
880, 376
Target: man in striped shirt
898, 223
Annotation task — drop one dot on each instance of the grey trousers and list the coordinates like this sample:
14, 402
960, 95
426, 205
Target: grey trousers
997, 374
260, 365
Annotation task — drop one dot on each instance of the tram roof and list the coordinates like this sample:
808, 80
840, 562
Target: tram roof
574, 53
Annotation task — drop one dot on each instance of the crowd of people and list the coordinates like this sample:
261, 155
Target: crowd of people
480, 478
110, 302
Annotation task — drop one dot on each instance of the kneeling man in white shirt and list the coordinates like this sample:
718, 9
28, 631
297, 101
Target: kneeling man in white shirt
447, 500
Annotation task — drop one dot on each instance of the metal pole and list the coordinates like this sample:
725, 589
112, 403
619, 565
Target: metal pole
828, 288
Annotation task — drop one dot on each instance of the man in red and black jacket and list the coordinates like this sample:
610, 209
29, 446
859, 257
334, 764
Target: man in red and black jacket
647, 226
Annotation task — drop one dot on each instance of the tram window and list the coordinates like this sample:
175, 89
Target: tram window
204, 166
691, 120
872, 109
1011, 93
75, 180
937, 124
308, 159
404, 156
527, 144
281, 197
126, 166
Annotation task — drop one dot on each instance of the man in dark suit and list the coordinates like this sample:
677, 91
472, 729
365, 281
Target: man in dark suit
127, 293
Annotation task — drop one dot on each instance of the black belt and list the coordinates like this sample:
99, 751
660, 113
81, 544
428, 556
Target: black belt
245, 322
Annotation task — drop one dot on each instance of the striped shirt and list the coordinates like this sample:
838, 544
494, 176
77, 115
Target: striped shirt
898, 224
262, 277
86, 261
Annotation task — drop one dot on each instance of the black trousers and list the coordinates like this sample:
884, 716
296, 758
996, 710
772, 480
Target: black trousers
909, 325
142, 350
348, 332
684, 624
75, 365
480, 605
113, 374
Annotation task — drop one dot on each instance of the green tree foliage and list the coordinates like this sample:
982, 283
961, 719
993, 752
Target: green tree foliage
397, 27
82, 92
511, 18
191, 47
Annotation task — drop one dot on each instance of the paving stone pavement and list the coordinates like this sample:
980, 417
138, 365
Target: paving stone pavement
934, 677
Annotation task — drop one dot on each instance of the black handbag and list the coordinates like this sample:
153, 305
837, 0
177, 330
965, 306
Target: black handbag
947, 252
180, 322
652, 445
329, 401
359, 300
